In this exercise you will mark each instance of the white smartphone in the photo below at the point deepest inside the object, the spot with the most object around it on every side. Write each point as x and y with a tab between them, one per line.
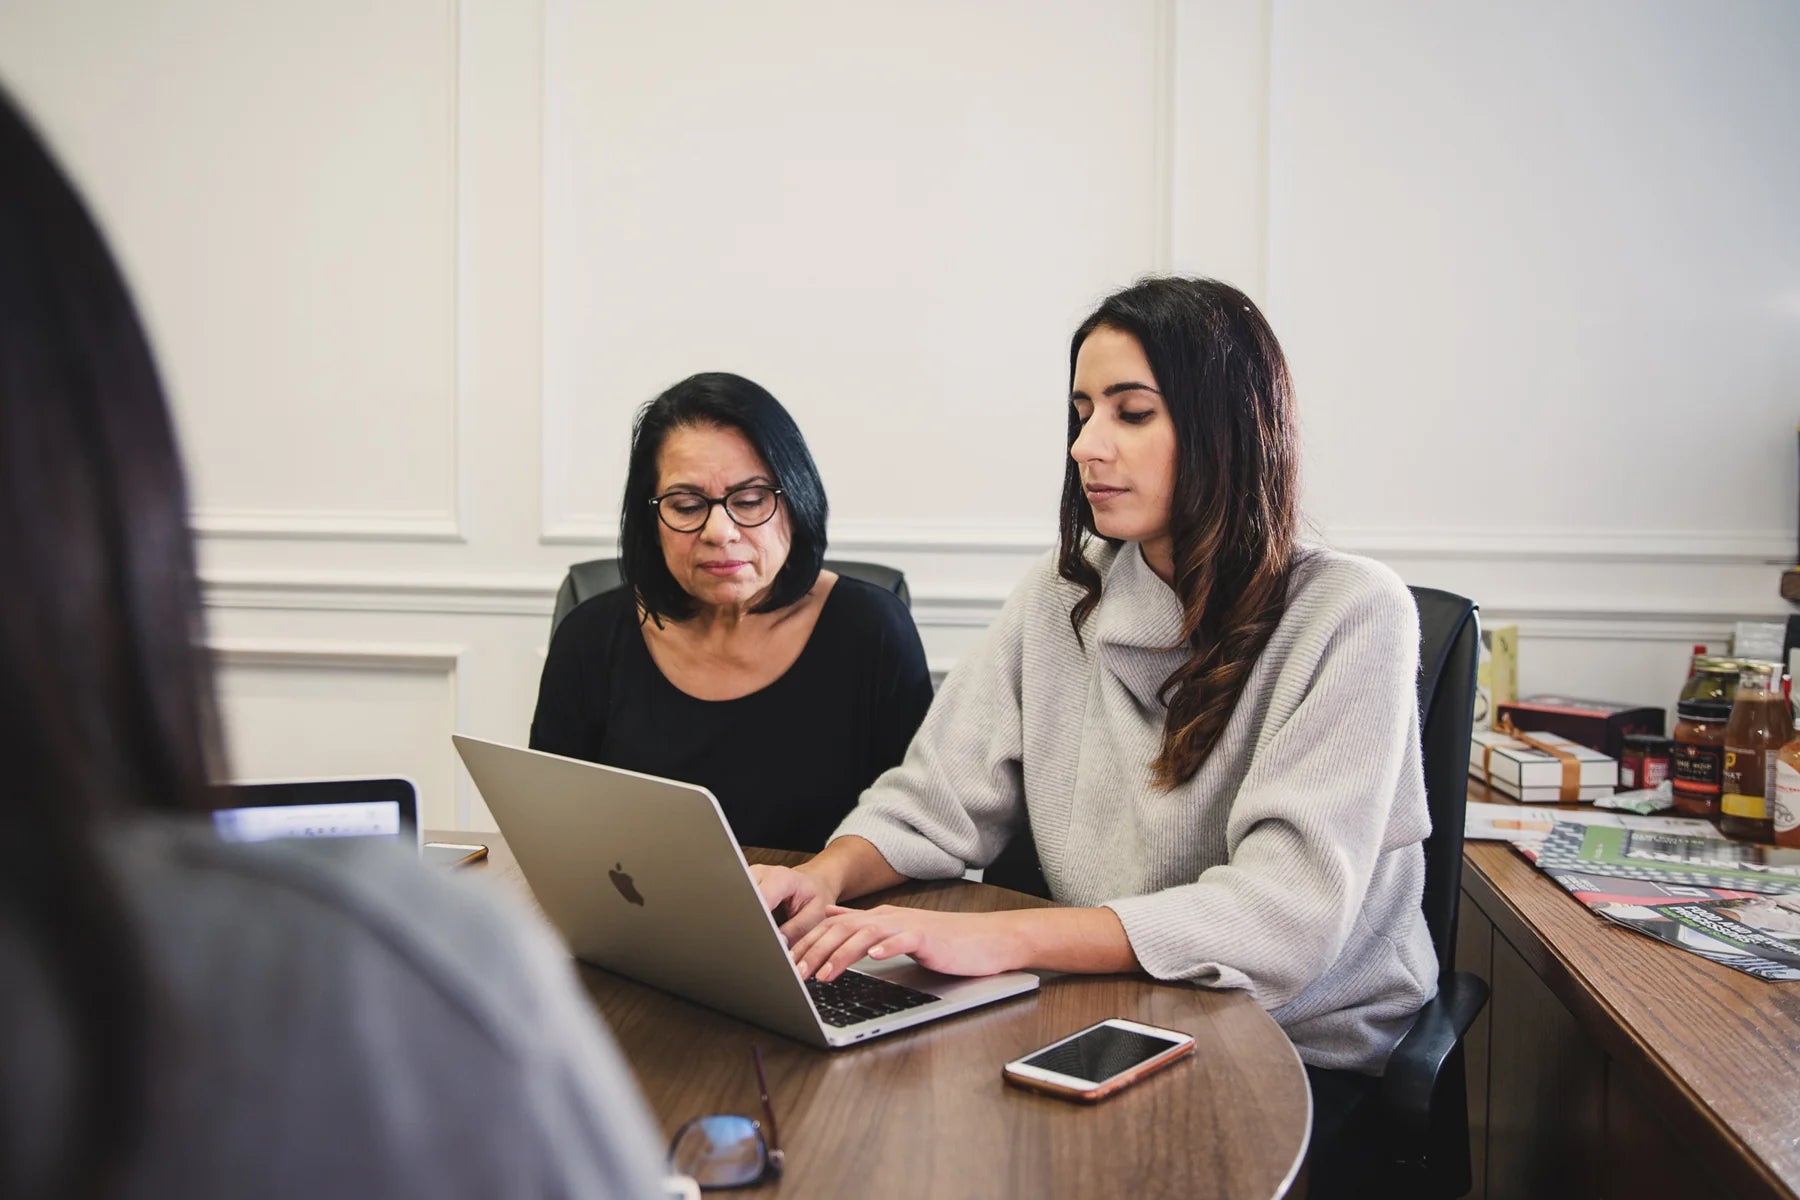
1099	1060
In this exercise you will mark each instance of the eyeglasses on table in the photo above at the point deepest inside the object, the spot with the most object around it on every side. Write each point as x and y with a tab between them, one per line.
725	1150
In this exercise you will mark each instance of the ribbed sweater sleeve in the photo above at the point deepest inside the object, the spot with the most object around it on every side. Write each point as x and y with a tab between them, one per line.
1311	816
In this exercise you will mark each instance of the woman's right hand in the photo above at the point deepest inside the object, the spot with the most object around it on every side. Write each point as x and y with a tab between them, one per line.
799	898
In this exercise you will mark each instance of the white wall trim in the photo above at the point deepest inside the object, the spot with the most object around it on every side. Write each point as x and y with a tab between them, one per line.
1573	626
602	532
1527	545
1165	95
1756	547
516	595
428	657
533	595
459	266
324	526
369	591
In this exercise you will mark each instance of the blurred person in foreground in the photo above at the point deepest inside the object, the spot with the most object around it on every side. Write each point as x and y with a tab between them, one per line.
184	1017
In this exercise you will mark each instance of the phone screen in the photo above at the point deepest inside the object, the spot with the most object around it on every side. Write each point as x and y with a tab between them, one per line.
1100	1053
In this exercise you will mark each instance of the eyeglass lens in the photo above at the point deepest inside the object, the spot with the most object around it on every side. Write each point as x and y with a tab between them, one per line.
720	1151
687	512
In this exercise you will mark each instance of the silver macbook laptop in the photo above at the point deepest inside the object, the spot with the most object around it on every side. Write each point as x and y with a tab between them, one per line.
642	877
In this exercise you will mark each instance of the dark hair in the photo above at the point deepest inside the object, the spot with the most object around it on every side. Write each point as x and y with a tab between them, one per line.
1225	383
106	701
723	401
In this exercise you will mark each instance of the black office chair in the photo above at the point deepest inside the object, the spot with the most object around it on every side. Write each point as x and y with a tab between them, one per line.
587	579
1424	1104
1423	1100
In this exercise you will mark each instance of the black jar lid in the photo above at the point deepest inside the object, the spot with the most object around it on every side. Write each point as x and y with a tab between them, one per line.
1704	710
1649	743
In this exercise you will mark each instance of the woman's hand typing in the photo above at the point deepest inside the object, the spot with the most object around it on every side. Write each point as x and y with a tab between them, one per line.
798	897
954	943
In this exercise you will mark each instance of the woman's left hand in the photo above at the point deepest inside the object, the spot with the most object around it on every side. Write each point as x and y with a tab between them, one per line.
954	943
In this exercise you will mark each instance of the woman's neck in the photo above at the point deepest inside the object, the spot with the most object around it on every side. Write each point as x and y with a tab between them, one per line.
1159	556
726	621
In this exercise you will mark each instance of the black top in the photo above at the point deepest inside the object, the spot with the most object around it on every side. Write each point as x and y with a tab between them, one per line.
786	762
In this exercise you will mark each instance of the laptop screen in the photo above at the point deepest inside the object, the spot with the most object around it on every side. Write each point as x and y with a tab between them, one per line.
318	808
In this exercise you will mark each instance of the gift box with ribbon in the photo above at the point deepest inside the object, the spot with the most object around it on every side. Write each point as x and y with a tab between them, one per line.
1602	724
1540	768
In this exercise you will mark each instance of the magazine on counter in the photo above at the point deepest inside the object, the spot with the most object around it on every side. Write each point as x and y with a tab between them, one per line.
1758	935
1726	921
1519	824
1652	856
1678	913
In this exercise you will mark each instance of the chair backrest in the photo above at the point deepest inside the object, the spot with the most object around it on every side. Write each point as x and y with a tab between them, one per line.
588	579
1449	648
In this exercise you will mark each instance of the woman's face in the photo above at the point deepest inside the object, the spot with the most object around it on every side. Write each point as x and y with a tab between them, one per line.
1126	447
721	564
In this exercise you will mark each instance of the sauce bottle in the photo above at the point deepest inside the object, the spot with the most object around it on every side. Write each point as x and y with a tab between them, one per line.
1759	724
1698	760
1784	814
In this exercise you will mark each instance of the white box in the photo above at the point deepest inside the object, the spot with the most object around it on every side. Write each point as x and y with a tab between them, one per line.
1534	776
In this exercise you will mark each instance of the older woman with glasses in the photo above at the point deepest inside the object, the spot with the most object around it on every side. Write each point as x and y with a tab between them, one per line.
729	657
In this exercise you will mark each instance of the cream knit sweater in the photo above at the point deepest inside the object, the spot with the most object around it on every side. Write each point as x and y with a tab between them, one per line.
1290	865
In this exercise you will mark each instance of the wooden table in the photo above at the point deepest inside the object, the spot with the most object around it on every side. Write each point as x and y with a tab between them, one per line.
924	1112
1609	1064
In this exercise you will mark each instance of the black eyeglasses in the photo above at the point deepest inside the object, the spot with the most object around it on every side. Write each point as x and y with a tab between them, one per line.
688	512
723	1150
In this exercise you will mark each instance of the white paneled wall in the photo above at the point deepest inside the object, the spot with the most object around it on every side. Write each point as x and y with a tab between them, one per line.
411	266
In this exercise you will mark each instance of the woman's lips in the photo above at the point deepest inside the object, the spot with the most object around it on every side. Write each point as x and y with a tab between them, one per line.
723	568
1100	495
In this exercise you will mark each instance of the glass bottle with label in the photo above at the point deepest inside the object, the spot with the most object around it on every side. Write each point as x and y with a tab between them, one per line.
1759	725
1784	814
1698	758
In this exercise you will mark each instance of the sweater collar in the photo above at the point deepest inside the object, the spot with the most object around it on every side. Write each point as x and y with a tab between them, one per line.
1137	609
1138	629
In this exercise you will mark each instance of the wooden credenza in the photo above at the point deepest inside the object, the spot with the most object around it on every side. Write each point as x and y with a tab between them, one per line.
1610	1065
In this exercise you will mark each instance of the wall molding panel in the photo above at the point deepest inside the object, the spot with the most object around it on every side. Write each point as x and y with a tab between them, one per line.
318	707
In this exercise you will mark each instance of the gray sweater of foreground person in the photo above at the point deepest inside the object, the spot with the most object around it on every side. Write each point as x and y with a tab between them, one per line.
330	1018
1290	866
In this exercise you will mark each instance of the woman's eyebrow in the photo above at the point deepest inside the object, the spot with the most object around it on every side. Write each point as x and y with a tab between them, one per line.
1114	390
682	485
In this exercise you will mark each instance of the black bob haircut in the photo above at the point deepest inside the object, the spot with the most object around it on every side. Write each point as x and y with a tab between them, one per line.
720	400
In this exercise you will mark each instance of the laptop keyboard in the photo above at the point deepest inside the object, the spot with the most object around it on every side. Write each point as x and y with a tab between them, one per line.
854	997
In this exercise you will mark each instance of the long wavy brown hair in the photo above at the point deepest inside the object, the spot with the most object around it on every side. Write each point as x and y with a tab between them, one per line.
1226	385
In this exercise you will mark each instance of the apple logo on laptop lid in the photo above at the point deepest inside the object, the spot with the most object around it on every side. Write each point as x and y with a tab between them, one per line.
626	887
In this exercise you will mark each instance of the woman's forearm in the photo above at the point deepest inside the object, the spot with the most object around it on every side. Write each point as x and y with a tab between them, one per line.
1087	941
851	866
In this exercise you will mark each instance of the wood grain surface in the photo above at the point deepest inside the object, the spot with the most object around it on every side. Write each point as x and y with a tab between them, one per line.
1712	1053
925	1112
